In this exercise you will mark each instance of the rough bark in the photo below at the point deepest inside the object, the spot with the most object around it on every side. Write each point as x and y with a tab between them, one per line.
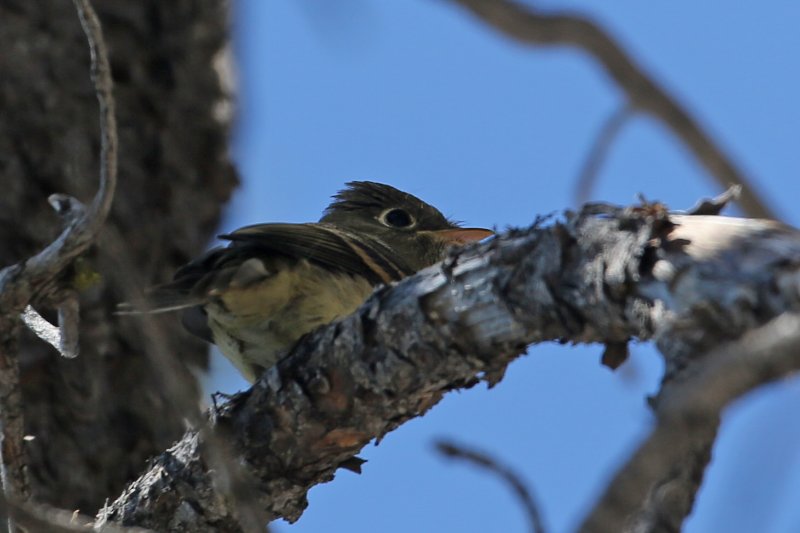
606	275
92	417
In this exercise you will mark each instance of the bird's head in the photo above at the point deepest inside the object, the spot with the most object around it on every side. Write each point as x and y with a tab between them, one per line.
411	228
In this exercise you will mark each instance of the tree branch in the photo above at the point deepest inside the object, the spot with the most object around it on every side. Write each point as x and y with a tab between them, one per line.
688	413
92	418
524	495
37	277
528	25
21	283
603	275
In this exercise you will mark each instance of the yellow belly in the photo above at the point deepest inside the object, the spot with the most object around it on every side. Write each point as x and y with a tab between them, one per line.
257	325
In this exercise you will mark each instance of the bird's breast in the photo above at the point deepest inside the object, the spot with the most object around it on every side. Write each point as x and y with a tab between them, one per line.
258	323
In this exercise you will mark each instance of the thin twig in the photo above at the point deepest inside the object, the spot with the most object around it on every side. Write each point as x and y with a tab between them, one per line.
590	170
687	416
528	25
103	85
449	449
21	283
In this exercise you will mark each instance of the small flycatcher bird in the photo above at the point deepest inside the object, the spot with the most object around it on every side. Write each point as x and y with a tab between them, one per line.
276	282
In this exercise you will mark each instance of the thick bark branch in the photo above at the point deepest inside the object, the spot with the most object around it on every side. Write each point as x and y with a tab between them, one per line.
358	379
605	275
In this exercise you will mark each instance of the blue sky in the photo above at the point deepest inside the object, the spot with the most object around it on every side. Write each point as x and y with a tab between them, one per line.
418	94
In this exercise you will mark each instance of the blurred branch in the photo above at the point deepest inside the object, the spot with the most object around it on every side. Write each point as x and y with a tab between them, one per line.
688	414
670	277
529	25
454	451
590	170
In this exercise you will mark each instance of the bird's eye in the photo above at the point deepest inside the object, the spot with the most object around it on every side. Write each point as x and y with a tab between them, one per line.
397	218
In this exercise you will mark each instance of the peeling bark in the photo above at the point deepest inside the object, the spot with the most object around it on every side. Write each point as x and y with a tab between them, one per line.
588	279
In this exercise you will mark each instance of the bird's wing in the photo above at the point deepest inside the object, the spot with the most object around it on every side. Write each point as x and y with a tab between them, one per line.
254	248
324	245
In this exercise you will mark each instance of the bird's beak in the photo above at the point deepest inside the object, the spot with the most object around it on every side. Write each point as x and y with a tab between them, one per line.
461	236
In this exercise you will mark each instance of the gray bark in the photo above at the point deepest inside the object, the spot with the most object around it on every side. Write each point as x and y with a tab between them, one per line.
606	275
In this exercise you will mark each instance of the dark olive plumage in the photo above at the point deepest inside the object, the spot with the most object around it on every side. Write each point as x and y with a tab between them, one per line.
275	282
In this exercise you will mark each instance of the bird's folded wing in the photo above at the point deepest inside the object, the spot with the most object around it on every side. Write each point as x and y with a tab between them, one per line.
253	247
322	244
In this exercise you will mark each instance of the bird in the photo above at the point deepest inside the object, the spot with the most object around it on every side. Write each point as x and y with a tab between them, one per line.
275	282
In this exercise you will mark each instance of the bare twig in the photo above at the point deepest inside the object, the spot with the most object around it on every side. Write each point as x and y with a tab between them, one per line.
103	84
21	283
528	25
598	152
688	411
449	449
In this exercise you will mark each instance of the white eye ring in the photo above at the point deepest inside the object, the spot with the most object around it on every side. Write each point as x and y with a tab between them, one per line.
397	218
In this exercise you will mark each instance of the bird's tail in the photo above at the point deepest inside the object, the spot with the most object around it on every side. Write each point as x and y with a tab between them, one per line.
189	288
162	299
